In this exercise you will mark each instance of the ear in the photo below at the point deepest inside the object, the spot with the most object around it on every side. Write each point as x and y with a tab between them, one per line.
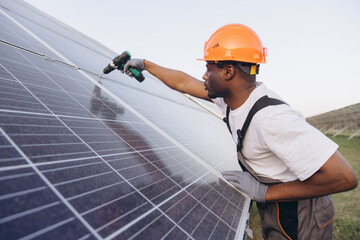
229	71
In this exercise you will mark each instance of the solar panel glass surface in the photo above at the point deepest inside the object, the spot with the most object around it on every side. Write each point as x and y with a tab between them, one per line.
113	159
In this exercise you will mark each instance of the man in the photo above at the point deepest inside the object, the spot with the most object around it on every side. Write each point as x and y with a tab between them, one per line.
290	168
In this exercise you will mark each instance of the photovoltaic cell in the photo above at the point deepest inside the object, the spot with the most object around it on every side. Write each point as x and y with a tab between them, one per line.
89	158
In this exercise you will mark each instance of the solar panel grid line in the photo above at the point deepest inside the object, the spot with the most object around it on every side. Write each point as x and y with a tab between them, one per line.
107	203
75	67
11	32
109	154
41	157
44	230
184	166
48	169
171	159
13	89
70	160
184	216
36	37
223	215
214	229
25	173
158	228
36	97
39	87
82	178
163	133
15	176
68	116
24	213
37	126
12	159
234	219
49	144
39	100
200	221
149	225
177	102
12	195
16	103
168	233
179	202
4	111
55	184
144	119
120	217
66	27
98	188
209	210
141	117
92	191
28	74
153	209
70	130
84	237
47	57
108	79
57	193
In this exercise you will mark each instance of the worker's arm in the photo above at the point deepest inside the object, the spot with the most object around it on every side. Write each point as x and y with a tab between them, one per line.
174	79
336	175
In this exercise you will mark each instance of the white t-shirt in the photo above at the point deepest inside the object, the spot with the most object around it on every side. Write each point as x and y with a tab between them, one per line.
279	143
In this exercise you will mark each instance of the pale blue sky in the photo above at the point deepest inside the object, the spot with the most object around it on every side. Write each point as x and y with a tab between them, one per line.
313	45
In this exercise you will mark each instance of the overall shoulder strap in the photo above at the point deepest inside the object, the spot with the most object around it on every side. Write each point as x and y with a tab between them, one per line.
259	104
226	119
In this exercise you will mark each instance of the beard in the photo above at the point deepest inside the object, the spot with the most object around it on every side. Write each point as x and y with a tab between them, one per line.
212	96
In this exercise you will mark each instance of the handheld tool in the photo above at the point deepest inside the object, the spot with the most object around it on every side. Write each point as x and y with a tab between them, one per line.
119	62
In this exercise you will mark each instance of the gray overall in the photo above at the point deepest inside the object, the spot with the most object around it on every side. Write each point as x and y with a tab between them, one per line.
301	220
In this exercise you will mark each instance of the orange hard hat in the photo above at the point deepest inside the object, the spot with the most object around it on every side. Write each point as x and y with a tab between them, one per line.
235	42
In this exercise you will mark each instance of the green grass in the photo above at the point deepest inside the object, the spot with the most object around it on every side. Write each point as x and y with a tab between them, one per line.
347	206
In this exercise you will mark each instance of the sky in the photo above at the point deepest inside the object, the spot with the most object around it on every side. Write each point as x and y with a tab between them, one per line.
313	45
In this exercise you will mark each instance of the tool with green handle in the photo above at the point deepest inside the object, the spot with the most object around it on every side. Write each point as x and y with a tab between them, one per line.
119	62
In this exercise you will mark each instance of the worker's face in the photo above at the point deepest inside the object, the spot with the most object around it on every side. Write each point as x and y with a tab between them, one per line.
215	82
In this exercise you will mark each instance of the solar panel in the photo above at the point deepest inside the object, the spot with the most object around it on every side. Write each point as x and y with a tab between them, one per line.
83	157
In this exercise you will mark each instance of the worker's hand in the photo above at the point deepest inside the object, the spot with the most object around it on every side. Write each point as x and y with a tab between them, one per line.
246	183
136	63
